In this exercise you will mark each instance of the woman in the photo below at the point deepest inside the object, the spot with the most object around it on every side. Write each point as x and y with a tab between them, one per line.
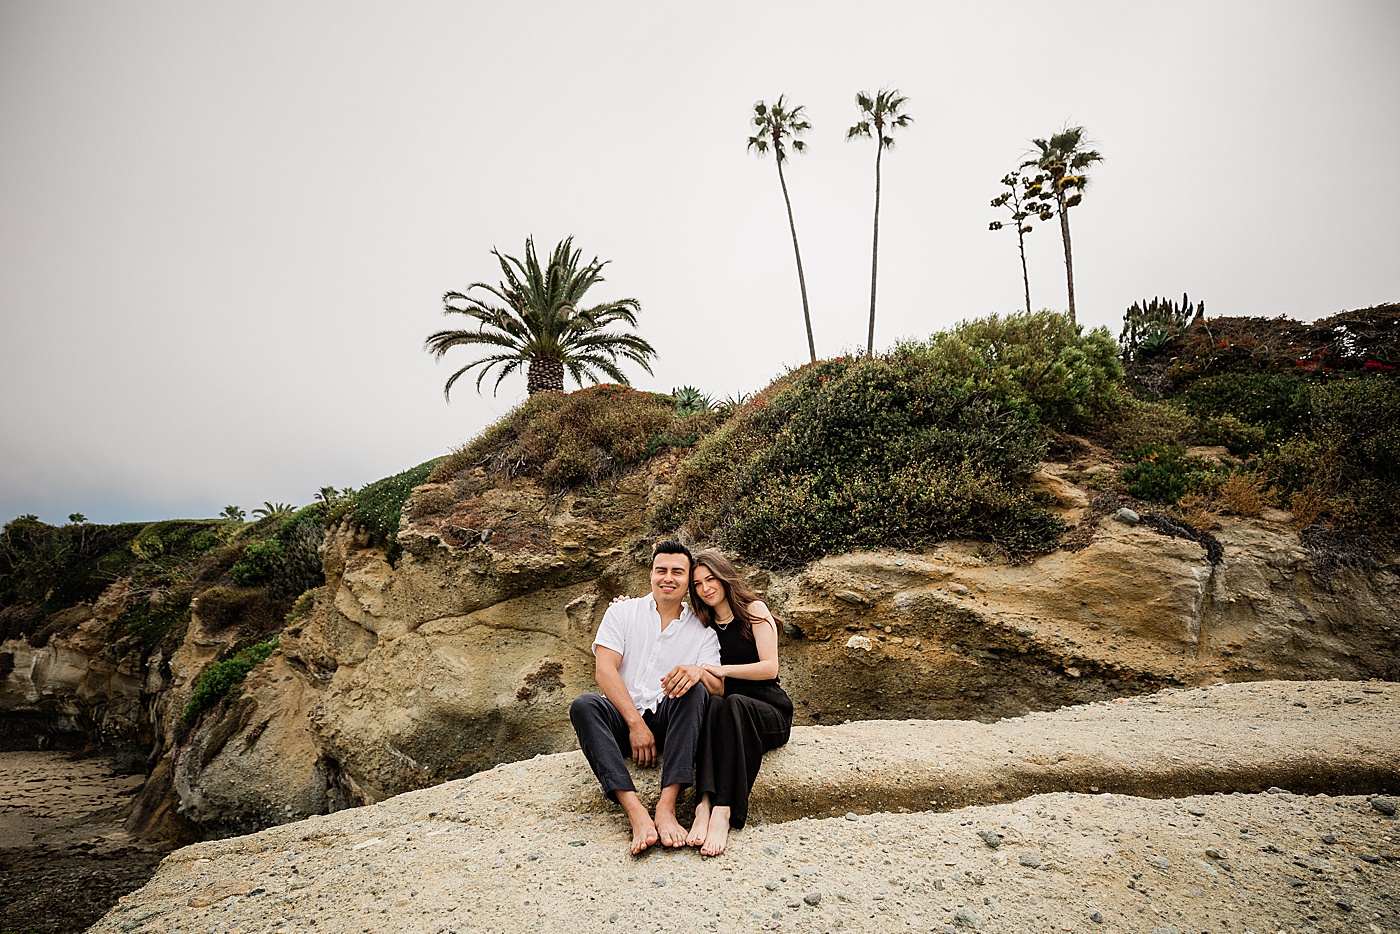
753	715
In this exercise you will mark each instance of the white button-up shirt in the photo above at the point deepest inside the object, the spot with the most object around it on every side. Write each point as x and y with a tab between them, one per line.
633	629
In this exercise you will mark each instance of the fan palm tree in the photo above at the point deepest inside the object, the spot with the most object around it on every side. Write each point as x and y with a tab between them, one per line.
776	124
538	324
1063	158
879	117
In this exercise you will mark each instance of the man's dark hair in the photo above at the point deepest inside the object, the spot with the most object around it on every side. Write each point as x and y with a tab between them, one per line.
672	548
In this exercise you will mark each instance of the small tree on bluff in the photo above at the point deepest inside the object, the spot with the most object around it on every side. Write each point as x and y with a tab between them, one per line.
1018	199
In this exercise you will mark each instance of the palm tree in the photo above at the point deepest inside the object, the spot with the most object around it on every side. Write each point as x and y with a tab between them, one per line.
776	124
1063	158
880	116
539	325
1016	199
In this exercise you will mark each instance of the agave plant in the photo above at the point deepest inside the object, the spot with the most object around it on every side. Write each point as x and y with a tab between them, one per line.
732	403
690	400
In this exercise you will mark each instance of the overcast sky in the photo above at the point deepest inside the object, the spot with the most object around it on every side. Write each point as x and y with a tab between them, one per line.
225	229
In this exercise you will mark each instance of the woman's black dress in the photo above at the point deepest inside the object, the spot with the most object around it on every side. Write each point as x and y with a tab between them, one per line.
751	718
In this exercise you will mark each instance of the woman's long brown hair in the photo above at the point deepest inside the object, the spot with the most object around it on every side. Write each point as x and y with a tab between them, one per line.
736	590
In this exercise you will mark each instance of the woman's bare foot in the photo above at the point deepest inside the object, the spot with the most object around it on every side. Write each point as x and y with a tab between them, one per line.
717	834
701	828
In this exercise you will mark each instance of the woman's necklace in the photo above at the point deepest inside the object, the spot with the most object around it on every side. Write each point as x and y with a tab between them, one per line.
724	623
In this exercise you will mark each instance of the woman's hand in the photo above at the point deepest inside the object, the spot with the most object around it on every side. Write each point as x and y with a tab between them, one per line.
620	598
719	671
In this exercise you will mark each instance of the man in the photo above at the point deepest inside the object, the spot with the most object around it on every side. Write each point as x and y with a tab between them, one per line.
648	654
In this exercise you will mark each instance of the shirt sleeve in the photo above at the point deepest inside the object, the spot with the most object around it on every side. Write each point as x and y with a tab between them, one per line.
612	633
709	648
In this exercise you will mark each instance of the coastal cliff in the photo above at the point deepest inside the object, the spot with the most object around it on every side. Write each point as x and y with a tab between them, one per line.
454	658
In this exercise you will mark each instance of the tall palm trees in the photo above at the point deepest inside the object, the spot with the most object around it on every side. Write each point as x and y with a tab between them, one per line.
777	124
1063	158
880	116
538	324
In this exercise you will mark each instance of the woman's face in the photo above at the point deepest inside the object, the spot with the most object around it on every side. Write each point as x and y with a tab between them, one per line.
708	587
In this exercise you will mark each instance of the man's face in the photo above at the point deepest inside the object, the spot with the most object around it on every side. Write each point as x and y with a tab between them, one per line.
670	576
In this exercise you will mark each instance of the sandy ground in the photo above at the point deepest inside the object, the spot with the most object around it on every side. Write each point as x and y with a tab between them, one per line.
531	846
58	795
64	857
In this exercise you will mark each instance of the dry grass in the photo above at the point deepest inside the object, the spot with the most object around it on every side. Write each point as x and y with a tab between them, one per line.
1199	512
431	501
582	438
1308	505
1244	494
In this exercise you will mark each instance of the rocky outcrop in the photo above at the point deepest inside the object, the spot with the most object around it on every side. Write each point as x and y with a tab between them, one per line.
466	651
85	686
865	826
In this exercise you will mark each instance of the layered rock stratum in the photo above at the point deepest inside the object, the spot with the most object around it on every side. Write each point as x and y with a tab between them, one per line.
1245	807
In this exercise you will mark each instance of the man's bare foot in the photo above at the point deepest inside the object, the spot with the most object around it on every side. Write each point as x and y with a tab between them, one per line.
643	834
670	829
718	832
701	827
643	829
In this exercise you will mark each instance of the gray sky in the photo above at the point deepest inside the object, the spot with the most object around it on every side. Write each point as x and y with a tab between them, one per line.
225	229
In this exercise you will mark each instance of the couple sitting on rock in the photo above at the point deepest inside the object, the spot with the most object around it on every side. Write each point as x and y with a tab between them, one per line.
696	685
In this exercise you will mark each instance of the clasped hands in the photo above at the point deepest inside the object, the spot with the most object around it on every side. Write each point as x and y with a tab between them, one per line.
680	679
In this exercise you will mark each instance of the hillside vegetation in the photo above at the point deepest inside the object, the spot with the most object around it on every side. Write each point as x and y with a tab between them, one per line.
930	441
935	439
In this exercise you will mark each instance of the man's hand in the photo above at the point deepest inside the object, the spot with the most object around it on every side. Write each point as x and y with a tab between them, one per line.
643	743
680	679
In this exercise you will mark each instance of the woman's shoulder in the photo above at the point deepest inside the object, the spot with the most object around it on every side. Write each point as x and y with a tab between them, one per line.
760	612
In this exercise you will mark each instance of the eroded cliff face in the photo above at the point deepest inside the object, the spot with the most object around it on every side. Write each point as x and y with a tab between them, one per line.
87	686
468	649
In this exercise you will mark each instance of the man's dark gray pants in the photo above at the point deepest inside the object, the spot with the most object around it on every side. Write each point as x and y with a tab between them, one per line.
603	737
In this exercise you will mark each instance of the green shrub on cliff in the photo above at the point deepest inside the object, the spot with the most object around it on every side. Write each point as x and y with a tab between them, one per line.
845	454
376	509
56	566
1346	468
1067	377
45	568
1165	473
222	679
287	562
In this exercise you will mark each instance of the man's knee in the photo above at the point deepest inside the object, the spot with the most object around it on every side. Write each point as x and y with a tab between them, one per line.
587	708
693	701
